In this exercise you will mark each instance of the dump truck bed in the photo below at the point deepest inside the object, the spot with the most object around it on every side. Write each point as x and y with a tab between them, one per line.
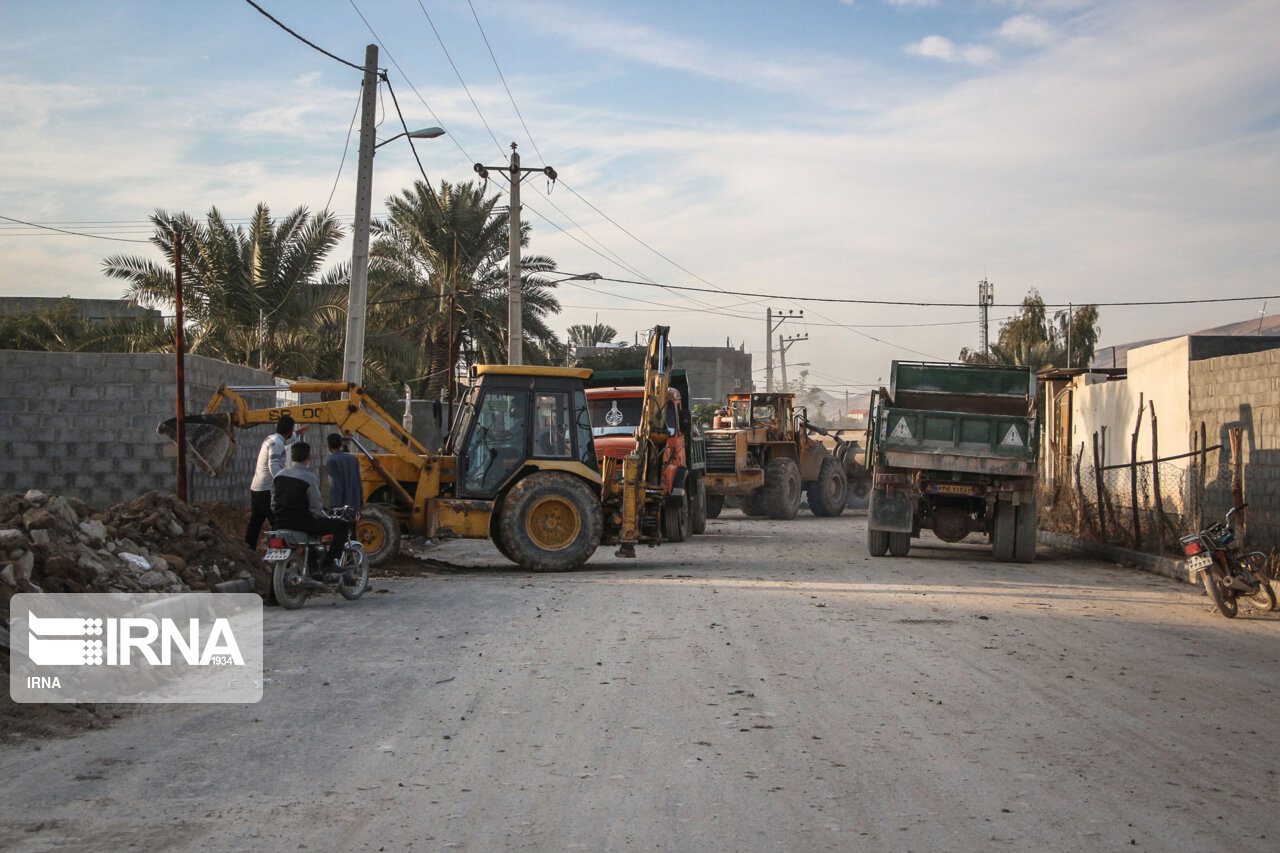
959	417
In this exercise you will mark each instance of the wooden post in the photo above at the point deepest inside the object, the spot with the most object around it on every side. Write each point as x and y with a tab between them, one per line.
1204	473
1133	477
1155	480
1082	512
1102	499
1237	483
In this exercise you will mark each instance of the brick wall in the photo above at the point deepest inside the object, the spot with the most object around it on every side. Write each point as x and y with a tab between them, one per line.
1242	391
84	424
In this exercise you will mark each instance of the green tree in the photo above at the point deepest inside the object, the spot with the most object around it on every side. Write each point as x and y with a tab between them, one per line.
253	296
438	251
590	334
1031	338
63	327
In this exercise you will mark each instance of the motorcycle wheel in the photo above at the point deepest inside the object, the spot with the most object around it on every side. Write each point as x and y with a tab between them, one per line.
1265	598
1223	598
286	581
355	574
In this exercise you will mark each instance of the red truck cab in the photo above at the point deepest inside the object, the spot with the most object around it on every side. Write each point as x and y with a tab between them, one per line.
615	413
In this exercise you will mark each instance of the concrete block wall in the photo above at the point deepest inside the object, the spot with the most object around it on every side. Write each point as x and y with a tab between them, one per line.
1242	391
84	424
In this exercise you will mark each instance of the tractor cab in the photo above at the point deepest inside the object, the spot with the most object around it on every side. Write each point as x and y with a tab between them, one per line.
520	417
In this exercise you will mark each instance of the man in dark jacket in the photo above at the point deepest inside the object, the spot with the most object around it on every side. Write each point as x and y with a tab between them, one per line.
295	503
344	476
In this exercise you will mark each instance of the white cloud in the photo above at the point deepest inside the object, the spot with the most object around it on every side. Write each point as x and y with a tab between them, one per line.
1028	30
941	47
917	3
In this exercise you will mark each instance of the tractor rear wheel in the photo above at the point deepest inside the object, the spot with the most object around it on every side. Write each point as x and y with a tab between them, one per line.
379	532
828	493
551	522
781	492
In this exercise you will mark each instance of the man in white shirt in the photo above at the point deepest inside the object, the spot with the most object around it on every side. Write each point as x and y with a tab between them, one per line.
272	458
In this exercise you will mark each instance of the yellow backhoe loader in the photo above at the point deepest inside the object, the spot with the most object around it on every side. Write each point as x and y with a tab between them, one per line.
519	466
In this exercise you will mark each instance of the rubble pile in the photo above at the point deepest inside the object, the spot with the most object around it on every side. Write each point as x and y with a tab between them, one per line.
157	543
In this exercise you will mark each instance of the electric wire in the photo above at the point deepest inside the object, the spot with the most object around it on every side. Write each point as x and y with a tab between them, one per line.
305	41
503	78
72	233
346	146
456	73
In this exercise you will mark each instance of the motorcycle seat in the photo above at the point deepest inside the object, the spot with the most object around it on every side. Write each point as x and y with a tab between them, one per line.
292	537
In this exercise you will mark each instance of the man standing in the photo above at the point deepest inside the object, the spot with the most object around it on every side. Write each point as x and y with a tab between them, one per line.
295	502
272	458
344	476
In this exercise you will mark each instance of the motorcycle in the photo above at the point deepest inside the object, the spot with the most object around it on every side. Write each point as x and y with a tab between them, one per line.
297	561
1227	575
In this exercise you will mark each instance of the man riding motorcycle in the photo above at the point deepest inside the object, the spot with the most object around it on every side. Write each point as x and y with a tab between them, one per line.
296	505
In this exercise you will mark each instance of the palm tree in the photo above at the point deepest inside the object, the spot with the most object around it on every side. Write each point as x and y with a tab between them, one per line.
247	291
442	256
590	334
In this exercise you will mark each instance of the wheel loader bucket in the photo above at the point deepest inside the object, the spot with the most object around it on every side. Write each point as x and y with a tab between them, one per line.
211	441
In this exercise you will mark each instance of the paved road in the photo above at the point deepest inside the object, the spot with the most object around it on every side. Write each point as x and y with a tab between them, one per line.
766	687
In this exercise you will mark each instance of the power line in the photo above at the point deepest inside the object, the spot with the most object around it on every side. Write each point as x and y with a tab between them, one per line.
310	44
503	78
72	233
843	301
456	73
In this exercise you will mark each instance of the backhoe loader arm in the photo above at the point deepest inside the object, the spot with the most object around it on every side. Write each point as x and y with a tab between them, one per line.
651	434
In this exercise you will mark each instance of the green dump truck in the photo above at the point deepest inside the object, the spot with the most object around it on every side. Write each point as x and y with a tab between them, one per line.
953	449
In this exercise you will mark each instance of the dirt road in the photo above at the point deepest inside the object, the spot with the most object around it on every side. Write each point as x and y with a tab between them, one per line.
766	687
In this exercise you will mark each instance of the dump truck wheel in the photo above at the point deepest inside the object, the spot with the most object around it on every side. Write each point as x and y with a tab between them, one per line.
877	542
1024	540
676	521
551	522
697	505
715	503
781	490
1004	532
828	493
899	544
379	532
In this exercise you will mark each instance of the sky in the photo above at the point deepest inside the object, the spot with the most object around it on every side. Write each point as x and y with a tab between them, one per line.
896	150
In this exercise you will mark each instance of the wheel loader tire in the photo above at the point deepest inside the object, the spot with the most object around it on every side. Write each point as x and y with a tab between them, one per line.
1004	532
753	504
551	522
828	493
697	505
379	532
1024	539
781	492
899	544
676	521
877	542
715	503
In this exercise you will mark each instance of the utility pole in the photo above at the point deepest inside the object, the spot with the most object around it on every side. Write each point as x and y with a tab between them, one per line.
353	357
986	295
515	317
784	344
770	328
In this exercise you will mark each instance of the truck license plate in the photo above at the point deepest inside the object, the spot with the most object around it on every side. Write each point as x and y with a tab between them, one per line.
1199	562
951	489
274	554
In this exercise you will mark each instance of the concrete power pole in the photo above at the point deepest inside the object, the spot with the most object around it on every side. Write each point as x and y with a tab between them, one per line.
770	328
353	356
784	344
515	316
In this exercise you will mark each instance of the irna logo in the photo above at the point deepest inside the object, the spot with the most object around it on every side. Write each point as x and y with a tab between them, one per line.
94	641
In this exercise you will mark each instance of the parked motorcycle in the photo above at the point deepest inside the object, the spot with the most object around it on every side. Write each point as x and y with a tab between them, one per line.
1226	574
297	562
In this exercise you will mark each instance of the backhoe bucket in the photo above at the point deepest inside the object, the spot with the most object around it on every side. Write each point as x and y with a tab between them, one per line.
211	441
